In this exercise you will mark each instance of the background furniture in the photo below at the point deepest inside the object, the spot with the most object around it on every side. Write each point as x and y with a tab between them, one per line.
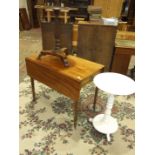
96	43
41	13
33	13
113	84
128	14
81	11
110	8
124	50
48	36
62	39
64	11
68	81
122	59
23	20
128	11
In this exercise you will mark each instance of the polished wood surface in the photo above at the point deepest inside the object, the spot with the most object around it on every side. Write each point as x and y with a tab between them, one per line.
50	71
66	80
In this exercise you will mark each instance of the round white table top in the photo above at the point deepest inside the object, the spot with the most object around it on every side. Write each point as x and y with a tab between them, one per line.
115	83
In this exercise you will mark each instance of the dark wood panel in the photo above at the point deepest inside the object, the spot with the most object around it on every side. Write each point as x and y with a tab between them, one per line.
20	25
48	35
122	59
34	20
96	43
24	19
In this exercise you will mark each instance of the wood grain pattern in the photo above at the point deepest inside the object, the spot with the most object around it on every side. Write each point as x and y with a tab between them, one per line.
96	43
110	8
24	19
33	13
48	36
68	81
122	59
124	49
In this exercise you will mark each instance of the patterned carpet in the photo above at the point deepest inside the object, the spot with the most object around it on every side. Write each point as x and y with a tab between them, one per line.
46	126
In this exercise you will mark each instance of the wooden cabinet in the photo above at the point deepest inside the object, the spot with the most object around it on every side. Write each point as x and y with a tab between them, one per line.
33	14
124	49
110	8
23	20
121	59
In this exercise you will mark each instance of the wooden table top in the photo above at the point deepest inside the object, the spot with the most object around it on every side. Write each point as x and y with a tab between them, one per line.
79	69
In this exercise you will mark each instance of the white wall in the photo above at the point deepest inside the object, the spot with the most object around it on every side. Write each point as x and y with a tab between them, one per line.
23	4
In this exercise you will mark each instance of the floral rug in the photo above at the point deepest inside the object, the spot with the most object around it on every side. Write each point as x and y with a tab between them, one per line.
46	126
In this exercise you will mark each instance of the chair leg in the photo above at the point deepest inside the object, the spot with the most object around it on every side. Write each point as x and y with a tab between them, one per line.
95	98
33	89
75	113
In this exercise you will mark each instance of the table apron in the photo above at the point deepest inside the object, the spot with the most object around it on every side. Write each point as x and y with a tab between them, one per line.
60	83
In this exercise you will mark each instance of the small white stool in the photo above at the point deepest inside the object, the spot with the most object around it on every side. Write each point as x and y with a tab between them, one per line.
114	84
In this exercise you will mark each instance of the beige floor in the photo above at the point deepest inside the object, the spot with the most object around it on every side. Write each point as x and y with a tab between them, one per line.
29	42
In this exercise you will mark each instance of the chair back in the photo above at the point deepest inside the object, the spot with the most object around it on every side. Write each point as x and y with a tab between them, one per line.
96	43
54	35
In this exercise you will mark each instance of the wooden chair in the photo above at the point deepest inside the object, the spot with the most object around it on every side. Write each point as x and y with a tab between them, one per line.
56	40
96	43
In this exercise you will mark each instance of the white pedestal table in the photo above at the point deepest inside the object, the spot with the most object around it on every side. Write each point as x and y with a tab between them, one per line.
113	84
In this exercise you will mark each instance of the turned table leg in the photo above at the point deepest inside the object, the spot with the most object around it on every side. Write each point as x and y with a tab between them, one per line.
75	113
95	97
33	89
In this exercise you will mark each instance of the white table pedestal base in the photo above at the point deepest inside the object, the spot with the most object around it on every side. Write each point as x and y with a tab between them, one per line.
106	126
113	84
